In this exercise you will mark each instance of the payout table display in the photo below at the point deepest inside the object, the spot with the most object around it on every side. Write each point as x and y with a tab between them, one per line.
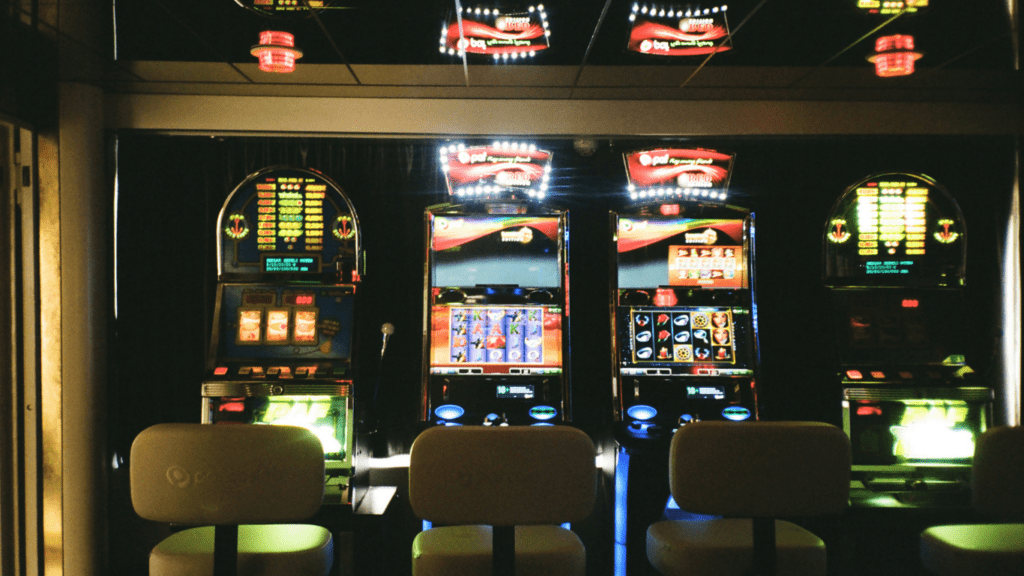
282	343
496	317
898	229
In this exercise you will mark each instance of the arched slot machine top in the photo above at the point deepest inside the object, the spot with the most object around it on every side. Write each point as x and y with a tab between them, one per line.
289	224
895	230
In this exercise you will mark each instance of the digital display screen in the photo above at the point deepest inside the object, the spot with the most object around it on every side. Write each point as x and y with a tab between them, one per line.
469	251
688	340
496	340
515	391
702	253
895	229
705	392
295	299
281	264
682	336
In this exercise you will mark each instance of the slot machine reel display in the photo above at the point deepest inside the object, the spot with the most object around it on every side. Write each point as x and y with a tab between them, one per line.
282	342
496	292
895	255
683	298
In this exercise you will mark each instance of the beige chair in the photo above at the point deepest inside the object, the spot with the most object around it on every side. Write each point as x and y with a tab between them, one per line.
239	483
522	481
750	474
997	491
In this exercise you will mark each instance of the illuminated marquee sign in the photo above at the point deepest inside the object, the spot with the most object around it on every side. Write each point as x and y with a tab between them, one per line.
891	7
660	30
501	169
674	173
504	36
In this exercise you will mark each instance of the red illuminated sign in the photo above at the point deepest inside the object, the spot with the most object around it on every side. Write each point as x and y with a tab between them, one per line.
660	30
484	171
276	51
491	32
670	173
910	303
894	56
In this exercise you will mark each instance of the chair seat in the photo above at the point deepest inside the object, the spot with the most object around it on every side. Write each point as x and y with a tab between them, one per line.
725	548
466	551
967	550
263	550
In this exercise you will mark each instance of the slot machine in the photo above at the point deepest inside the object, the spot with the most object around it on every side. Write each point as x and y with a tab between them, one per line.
496	292
895	262
281	348
683	313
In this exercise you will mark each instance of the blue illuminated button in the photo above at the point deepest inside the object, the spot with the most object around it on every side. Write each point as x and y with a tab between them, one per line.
449	411
642	412
735	413
543	412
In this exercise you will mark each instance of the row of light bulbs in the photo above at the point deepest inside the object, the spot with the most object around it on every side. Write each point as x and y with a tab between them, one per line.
678	192
487	190
672	12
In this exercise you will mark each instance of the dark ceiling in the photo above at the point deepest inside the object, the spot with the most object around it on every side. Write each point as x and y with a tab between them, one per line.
953	34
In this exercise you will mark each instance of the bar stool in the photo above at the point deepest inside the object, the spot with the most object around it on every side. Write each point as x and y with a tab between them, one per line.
501	492
238	483
750	473
997	491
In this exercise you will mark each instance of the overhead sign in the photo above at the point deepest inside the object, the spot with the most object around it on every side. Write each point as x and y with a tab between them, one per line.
696	173
500	35
495	170
660	30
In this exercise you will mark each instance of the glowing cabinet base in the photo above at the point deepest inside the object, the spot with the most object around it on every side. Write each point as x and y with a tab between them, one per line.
914	446
327	413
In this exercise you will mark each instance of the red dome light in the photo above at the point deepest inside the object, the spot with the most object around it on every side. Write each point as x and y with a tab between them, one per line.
894	56
276	51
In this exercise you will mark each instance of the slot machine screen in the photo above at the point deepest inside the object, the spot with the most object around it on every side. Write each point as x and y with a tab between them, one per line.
481	339
683	252
685	340
484	250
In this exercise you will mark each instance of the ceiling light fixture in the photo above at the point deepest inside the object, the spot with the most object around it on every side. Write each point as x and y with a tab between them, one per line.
276	51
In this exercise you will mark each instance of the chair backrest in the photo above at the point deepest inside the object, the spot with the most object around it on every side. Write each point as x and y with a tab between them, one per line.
998	474
503	476
226	474
760	469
